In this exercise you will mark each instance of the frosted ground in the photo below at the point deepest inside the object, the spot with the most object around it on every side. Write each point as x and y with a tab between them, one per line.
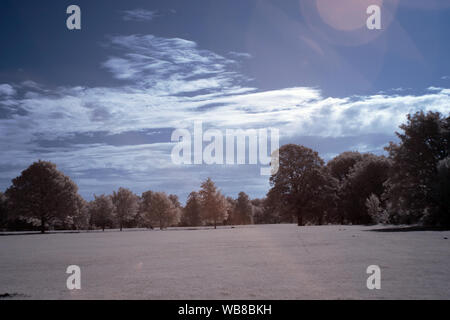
246	262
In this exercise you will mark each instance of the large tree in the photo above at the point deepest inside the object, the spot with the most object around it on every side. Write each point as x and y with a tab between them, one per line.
299	183
366	178
213	203
126	206
424	142
44	193
101	211
192	210
157	209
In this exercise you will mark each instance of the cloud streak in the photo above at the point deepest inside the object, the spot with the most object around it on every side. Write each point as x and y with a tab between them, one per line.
140	15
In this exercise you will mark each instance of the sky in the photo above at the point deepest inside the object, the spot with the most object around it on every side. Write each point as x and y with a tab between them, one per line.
103	101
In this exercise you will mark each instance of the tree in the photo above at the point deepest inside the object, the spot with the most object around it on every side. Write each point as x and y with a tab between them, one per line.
423	143
213	203
297	185
80	219
441	195
230	205
3	211
264	212
192	210
157	208
44	193
242	210
126	206
367	177
340	166
101	210
177	207
375	210
144	208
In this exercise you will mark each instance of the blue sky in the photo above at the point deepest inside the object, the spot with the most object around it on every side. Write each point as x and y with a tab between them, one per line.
102	102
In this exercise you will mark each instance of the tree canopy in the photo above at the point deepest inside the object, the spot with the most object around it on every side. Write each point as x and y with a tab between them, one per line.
44	193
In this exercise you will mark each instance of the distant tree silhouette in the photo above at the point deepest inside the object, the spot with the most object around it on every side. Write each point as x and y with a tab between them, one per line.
126	206
101	211
424	142
213	203
192	210
42	192
242	213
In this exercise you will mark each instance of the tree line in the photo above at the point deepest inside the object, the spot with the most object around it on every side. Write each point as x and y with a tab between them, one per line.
43	198
409	185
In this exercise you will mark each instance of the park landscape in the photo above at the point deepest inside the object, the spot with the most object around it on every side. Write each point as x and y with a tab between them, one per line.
224	150
313	237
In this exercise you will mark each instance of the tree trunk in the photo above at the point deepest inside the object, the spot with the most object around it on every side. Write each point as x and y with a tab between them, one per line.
121	226
299	219
42	225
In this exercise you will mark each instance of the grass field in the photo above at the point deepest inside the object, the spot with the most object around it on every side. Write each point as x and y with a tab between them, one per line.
246	262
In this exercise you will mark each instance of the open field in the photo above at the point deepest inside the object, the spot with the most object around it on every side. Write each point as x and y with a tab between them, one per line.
246	262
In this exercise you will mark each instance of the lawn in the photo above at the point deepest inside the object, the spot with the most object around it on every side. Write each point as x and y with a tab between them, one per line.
245	262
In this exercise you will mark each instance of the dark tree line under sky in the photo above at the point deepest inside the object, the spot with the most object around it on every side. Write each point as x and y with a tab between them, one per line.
410	185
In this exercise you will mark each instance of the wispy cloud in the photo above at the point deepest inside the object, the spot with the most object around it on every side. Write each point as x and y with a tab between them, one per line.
240	54
171	66
139	15
7	90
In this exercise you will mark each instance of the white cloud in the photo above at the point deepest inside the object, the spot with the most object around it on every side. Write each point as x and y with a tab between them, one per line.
139	15
7	90
171	66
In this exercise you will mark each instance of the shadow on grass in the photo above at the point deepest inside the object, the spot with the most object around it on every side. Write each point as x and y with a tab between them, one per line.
27	233
12	295
411	228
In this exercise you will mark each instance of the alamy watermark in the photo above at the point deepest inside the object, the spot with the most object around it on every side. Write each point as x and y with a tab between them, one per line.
73	281
374	20
227	147
374	280
73	22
